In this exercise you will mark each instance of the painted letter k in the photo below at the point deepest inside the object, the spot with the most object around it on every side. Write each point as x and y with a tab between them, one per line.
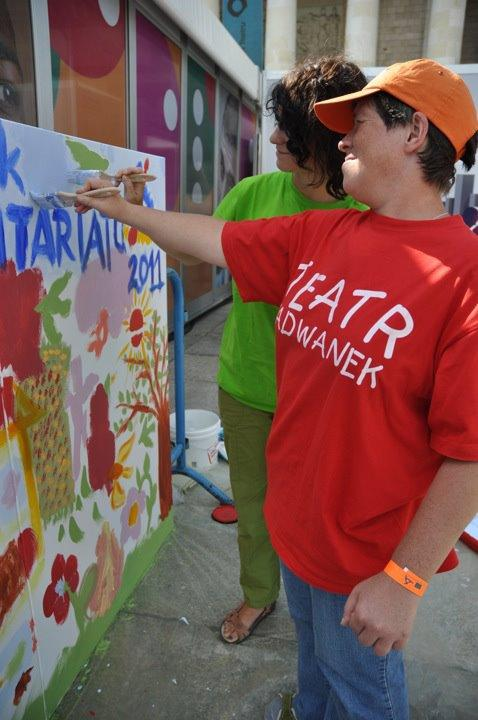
8	162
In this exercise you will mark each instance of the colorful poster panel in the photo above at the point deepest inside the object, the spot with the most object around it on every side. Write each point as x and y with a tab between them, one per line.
197	279
88	41
247	142
200	140
17	76
159	101
85	471
226	160
228	135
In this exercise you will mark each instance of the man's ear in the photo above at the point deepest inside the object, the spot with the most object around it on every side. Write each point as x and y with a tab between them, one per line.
418	131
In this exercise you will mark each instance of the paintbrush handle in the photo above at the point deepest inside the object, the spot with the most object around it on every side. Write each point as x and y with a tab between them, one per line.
144	177
99	193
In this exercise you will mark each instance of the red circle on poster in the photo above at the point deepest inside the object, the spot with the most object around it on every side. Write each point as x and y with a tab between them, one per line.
83	39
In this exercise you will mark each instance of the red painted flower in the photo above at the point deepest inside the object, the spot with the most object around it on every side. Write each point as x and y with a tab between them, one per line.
22	685
136	324
64	579
132	236
100	446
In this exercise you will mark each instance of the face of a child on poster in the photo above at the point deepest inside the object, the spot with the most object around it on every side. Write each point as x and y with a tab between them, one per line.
11	106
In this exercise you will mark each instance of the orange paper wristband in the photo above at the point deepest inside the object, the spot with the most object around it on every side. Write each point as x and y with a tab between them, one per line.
406	578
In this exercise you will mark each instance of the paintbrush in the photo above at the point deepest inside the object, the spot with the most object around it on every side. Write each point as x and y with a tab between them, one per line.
78	177
63	199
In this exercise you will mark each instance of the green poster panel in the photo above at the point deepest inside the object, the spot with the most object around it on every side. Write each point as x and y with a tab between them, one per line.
199	139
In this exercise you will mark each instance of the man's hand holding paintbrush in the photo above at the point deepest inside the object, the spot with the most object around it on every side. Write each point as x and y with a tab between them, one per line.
133	183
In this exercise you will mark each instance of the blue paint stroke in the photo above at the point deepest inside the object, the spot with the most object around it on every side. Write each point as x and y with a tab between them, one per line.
8	162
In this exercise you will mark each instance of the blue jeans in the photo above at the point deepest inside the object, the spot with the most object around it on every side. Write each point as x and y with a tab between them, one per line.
339	679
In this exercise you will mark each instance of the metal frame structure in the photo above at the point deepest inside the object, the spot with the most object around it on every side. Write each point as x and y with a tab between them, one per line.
178	452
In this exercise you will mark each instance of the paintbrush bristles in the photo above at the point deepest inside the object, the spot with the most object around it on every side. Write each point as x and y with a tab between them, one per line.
62	199
79	177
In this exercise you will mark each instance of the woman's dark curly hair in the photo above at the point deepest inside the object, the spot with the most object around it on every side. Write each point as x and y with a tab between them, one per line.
292	102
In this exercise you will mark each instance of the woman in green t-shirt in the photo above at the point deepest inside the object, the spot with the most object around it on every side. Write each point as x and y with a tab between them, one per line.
309	177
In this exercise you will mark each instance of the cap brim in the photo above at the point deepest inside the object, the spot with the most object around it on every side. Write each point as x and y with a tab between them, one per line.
337	113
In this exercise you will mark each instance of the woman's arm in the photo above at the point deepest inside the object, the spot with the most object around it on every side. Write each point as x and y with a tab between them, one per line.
182	235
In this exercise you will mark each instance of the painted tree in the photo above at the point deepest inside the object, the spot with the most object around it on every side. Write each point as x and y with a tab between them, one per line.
146	354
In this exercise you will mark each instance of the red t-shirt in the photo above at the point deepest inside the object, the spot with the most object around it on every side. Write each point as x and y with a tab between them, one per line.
377	376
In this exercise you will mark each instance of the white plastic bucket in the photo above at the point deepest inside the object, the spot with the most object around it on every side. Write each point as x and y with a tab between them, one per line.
202	431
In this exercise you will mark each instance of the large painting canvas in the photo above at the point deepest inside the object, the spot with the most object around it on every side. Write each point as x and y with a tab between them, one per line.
85	475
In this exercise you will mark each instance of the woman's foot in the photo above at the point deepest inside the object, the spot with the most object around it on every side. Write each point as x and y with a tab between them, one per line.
242	621
280	708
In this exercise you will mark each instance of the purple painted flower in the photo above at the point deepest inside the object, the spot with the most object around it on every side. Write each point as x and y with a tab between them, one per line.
131	515
11	483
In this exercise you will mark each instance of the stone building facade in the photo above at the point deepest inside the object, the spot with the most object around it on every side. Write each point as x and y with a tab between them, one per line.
404	29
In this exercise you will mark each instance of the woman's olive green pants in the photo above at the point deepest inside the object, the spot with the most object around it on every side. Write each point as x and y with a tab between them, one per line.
245	435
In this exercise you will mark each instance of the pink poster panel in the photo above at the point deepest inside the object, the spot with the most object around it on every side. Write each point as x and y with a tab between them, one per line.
158	73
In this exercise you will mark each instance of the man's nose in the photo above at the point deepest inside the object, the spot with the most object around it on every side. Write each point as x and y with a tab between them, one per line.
344	144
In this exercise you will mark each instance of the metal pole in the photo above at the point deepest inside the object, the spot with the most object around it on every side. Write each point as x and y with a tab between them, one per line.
178	452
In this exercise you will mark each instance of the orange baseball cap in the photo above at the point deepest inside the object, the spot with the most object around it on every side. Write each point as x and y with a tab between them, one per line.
424	85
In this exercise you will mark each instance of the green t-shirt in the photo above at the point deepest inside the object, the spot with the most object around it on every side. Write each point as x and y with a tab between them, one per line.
247	355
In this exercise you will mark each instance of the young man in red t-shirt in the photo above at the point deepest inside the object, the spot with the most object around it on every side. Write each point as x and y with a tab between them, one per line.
372	458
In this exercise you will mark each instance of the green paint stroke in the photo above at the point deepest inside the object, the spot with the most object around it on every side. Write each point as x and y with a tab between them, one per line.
80	599
52	305
87	587
16	662
72	659
55	74
76	533
102	647
86	158
97	516
85	488
61	532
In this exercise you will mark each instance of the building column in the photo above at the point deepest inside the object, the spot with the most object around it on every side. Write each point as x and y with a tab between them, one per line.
280	35
445	31
213	5
361	31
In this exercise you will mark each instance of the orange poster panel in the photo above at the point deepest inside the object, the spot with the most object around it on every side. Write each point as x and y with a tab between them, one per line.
89	68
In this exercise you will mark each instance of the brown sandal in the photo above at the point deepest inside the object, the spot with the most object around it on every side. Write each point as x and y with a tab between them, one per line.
243	631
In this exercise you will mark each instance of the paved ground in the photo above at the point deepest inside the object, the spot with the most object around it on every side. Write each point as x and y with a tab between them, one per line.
162	658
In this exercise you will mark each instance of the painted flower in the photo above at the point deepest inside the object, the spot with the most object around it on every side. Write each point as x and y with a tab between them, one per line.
100	445
20	323
64	579
10	483
100	333
119	470
22	685
110	559
131	234
16	564
31	625
131	515
135	325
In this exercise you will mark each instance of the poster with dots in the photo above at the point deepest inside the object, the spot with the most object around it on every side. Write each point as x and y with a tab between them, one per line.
228	131
247	142
89	87
159	101
199	139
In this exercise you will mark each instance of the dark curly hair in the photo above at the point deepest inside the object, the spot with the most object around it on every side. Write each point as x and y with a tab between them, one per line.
437	159
292	103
